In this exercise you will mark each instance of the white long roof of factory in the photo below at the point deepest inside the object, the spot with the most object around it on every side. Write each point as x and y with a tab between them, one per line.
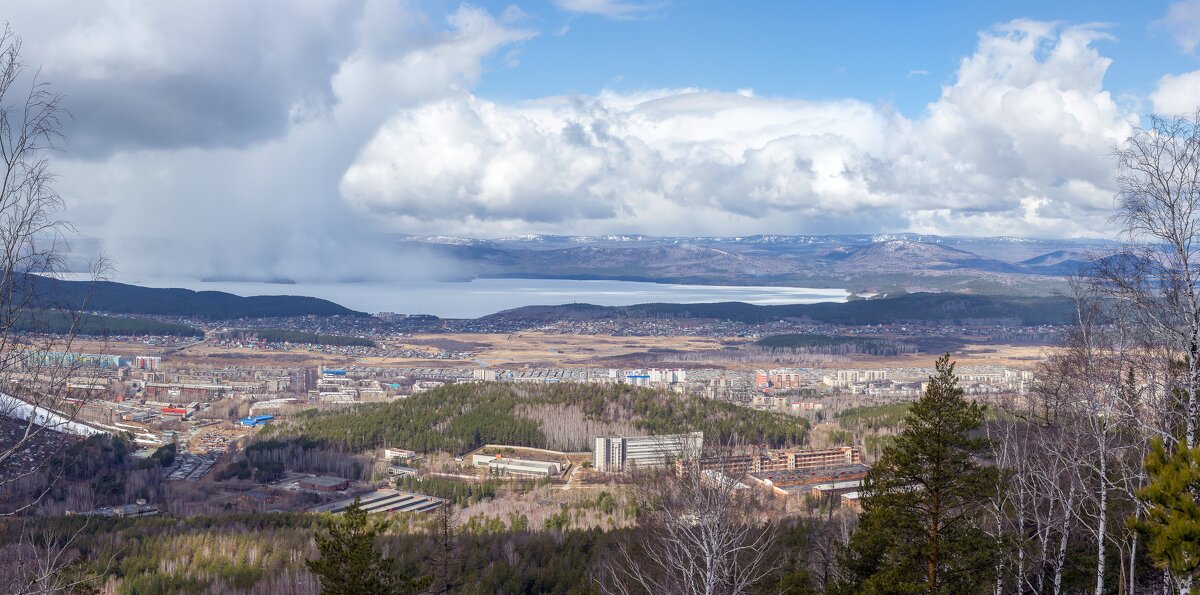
385	501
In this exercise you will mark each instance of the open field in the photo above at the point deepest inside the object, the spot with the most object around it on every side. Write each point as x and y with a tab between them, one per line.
577	350
209	355
562	350
125	348
490	349
1011	356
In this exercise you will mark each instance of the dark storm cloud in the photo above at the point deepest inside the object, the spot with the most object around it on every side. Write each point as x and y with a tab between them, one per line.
169	75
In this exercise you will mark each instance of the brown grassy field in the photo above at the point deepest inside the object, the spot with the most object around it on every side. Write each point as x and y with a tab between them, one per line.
554	350
536	349
577	350
1012	356
125	348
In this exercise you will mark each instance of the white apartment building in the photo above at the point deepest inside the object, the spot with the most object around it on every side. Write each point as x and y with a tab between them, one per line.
618	453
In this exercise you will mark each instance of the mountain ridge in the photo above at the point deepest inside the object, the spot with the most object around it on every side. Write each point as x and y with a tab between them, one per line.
122	298
856	262
916	308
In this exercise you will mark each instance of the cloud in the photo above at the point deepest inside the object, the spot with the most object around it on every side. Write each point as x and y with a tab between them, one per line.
913	73
140	74
613	9
1015	145
293	142
166	75
262	200
1183	23
1177	94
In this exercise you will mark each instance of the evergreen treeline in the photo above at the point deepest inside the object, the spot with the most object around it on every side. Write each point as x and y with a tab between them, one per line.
873	417
457	418
460	493
120	298
826	345
278	335
936	308
267	460
94	325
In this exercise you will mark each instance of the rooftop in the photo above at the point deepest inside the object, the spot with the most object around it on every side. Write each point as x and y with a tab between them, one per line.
325	481
385	501
804	477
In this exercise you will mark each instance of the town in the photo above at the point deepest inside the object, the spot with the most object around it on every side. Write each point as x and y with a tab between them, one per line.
179	394
599	297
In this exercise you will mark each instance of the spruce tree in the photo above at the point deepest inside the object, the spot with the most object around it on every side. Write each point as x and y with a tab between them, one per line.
1172	522
349	563
919	531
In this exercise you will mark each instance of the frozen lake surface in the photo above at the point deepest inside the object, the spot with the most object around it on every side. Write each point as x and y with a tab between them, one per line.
479	297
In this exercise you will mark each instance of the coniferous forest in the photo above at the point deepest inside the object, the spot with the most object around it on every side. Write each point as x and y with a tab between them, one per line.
458	418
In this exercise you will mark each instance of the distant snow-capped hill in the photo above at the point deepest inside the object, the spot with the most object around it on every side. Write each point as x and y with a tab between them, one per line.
858	261
444	240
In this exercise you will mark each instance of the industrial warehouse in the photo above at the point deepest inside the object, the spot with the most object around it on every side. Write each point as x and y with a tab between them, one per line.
385	500
518	462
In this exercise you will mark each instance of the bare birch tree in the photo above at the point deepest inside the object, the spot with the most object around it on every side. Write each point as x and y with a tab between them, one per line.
698	532
37	376
1154	280
1156	271
1053	451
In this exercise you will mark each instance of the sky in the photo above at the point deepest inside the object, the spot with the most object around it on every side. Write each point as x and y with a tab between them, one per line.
296	138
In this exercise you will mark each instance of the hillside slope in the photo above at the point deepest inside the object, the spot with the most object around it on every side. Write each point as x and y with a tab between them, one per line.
936	308
120	298
460	417
859	263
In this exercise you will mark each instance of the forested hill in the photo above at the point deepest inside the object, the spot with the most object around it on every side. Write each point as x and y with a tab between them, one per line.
933	308
460	417
120	298
93	325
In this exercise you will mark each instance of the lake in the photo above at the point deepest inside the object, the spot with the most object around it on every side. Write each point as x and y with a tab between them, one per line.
476	298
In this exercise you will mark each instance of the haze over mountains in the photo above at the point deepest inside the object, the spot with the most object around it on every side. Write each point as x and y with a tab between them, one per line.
141	309
867	265
859	263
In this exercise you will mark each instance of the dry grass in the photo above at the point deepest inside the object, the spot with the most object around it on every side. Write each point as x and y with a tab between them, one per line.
538	349
126	348
575	350
1012	356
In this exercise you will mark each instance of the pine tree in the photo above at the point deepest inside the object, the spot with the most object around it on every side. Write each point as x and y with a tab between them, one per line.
350	564
919	531
1172	521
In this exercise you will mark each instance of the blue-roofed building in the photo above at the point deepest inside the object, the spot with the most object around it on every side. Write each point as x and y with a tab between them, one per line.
257	420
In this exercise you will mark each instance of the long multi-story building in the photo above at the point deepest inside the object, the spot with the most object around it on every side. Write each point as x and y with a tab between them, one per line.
816	459
780	378
617	453
834	480
845	378
785	460
38	358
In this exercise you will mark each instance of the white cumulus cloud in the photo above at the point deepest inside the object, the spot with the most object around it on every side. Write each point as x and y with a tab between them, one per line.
1016	144
279	139
1177	94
